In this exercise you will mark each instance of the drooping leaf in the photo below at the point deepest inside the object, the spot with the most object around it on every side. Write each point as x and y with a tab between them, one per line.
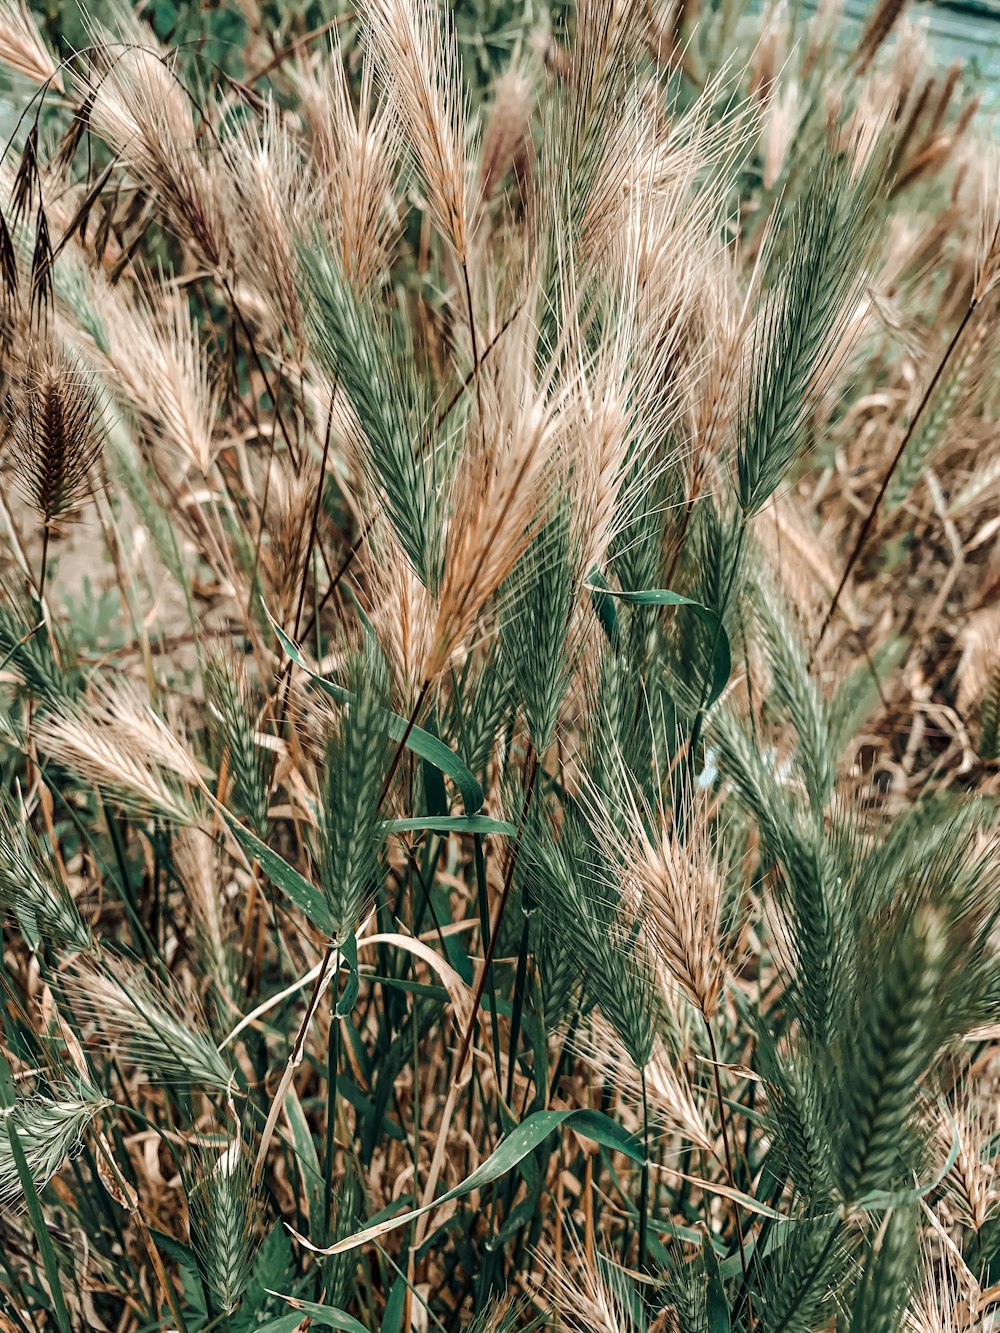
323	1316
602	594
521	1142
295	886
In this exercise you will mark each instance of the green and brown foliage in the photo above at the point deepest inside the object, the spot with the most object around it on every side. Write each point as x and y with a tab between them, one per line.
499	673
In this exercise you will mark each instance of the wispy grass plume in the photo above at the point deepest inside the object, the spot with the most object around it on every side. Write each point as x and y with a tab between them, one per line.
49	1128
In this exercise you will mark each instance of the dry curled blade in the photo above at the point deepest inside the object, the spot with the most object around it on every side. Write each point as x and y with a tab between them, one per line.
41	269
22	195
8	264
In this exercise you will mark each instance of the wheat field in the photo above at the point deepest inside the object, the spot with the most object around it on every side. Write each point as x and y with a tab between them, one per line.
499	671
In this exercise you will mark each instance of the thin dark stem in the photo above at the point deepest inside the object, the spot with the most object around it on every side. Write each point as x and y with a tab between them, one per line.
706	685
42	569
520	982
505	894
448	408
314	518
294	1060
306	39
273	394
313	523
730	1172
279	424
331	589
426	903
644	1181
411	723
472	327
806	1286
475	347
867	527
151	1249
483	902
332	1069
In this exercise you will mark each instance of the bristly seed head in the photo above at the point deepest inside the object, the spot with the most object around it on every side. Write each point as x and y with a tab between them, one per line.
58	432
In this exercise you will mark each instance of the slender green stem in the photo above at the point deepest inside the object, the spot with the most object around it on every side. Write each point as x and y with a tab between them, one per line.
332	1072
644	1180
39	1227
44	565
